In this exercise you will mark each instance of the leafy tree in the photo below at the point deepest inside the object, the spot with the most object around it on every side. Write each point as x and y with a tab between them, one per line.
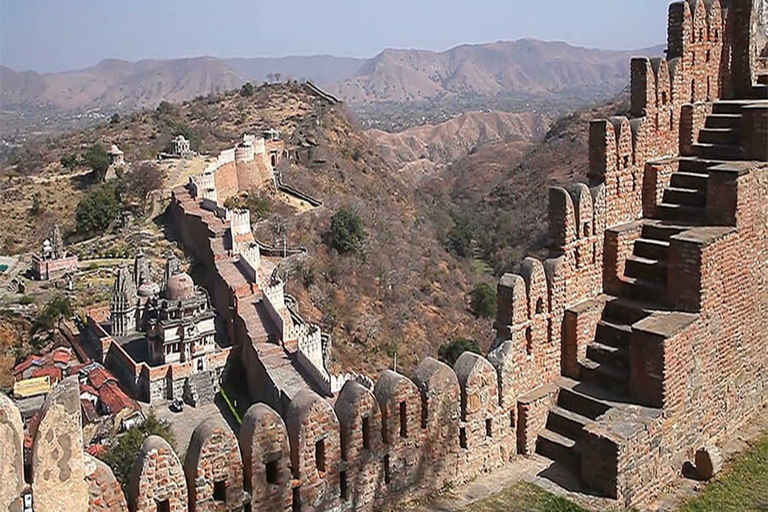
96	210
122	449
69	161
35	210
97	158
449	353
347	233
165	108
114	119
459	239
247	90
57	308
143	181
483	300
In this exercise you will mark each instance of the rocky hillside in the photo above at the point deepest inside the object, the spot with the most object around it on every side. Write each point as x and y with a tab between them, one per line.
527	67
420	150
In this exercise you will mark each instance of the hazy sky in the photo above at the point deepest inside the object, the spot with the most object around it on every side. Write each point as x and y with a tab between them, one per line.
56	35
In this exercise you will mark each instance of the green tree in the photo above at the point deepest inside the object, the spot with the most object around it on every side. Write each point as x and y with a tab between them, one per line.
449	353
97	210
165	108
122	449
459	239
483	300
347	233
247	90
69	161
97	158
114	119
56	309
141	182
35	210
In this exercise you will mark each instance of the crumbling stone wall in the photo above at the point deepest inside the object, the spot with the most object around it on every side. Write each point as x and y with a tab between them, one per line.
157	480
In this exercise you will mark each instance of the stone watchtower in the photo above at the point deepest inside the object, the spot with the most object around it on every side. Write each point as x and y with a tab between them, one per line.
123	307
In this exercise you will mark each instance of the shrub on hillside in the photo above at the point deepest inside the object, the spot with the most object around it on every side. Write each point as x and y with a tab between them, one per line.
449	353
144	180
97	210
483	300
347	233
97	158
459	239
69	161
247	90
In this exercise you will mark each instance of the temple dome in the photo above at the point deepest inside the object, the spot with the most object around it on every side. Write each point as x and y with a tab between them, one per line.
180	287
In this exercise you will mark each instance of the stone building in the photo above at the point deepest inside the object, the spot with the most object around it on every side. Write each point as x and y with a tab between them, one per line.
180	146
53	261
116	156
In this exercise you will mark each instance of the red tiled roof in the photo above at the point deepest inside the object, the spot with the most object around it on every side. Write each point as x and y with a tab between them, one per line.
99	376
96	449
89	411
61	356
87	388
26	364
51	371
114	398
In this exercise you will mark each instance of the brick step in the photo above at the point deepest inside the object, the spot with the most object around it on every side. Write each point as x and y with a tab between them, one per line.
723	121
681	213
606	354
717	151
558	447
621	313
760	91
695	164
651	292
604	375
661	232
613	334
685	196
688	179
719	135
645	268
581	403
651	249
566	423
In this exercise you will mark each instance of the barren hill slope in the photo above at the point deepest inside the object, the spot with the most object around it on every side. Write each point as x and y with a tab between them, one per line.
429	146
527	66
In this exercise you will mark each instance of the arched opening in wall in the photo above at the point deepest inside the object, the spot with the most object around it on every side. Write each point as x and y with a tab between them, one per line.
272	472
489	427
539	306
343	488
296	501
366	433
656	121
463	438
577	257
594	252
387	472
320	456
663	98
424	411
163	506
529	341
403	420
693	58
625	161
586	229
715	35
220	491
274	159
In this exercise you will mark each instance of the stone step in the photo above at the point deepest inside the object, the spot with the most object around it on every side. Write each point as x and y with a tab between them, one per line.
695	164
559	448
685	196
681	213
723	121
566	423
606	354
717	151
719	136
581	403
728	107
760	91
645	268
688	179
613	334
661	232
651	249
620	313
604	375
651	292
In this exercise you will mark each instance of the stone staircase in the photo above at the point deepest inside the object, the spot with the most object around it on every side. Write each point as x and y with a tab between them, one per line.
604	373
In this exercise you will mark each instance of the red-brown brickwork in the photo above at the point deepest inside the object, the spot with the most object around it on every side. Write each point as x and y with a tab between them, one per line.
157	480
214	469
104	492
266	459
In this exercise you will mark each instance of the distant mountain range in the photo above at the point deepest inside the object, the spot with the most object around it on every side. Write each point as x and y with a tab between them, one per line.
529	66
